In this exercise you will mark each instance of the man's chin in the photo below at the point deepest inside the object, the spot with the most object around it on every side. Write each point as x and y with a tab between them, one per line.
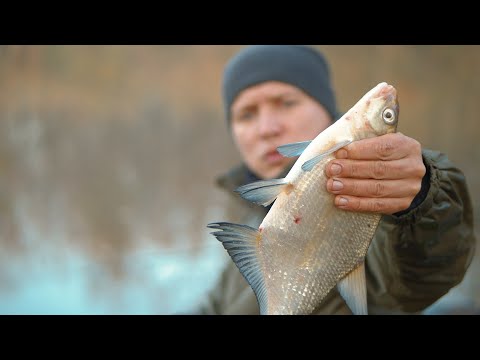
277	171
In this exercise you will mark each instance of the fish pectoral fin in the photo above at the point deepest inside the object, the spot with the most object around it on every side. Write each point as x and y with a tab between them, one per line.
262	192
241	243
309	164
353	289
293	149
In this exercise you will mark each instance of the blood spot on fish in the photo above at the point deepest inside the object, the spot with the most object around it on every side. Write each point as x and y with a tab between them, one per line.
289	188
260	229
297	219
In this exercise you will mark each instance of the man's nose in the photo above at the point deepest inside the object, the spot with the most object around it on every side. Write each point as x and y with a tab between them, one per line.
269	123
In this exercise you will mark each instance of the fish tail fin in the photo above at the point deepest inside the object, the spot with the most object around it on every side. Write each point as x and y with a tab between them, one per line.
353	290
262	192
241	243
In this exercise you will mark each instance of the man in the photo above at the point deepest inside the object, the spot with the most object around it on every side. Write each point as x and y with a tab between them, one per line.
275	95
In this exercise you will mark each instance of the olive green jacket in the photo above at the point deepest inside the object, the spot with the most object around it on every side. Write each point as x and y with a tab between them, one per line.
413	260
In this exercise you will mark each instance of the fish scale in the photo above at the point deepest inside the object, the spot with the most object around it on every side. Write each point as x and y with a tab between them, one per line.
305	245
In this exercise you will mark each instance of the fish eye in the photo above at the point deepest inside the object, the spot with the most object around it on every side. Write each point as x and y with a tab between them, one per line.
389	116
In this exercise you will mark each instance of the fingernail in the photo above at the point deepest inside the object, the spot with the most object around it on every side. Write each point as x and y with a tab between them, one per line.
342	201
335	169
337	185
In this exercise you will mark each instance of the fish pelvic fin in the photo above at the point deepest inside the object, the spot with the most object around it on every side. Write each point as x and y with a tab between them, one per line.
293	149
353	290
262	192
309	164
241	243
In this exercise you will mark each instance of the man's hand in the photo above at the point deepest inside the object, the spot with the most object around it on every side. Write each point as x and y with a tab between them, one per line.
381	174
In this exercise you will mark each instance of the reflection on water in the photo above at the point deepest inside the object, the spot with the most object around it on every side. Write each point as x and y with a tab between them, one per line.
158	282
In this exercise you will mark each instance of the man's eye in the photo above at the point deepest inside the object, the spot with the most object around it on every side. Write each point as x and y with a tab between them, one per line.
246	115
289	102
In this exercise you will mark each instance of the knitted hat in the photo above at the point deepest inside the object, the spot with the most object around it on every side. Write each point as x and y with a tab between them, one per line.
297	65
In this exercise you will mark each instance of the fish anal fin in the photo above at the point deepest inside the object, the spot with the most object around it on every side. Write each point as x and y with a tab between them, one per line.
293	149
263	192
241	243
353	290
309	164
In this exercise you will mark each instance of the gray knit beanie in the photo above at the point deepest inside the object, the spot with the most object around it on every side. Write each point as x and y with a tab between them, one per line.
297	65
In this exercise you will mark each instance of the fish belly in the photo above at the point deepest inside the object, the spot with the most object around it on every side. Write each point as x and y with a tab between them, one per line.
308	245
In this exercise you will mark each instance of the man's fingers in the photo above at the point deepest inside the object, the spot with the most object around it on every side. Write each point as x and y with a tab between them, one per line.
385	147
374	188
375	169
380	175
376	205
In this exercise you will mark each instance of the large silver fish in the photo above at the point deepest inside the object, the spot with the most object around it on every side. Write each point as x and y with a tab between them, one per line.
305	246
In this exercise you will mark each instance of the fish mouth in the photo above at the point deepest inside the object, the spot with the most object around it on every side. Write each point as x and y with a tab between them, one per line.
382	91
388	92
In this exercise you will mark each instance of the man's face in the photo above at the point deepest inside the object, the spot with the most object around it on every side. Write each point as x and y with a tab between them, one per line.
271	114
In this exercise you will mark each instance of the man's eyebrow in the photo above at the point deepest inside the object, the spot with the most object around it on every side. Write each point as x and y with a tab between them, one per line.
242	107
251	103
285	93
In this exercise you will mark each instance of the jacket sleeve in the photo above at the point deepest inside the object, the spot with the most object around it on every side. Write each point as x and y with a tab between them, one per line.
418	256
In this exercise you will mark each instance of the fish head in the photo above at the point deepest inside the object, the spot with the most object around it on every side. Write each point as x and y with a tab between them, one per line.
375	114
381	109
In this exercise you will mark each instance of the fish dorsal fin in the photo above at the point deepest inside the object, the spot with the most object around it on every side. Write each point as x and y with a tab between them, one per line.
262	192
293	149
309	164
241	243
353	290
